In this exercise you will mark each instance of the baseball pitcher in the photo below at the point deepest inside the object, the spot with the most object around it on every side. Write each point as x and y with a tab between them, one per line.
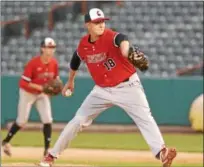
112	63
38	82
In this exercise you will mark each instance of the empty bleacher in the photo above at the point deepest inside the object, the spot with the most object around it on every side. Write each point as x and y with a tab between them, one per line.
169	33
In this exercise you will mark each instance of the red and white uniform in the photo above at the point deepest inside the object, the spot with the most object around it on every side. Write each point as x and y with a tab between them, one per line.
104	60
36	72
117	84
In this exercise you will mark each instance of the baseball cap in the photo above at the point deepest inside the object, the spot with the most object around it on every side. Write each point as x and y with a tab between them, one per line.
95	15
48	42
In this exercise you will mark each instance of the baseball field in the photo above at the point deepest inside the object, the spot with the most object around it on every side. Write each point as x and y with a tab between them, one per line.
105	149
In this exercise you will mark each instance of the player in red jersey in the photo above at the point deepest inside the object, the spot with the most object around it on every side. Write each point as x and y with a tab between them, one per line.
37	72
105	53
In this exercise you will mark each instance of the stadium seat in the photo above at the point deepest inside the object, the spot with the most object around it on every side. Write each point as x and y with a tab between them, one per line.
169	33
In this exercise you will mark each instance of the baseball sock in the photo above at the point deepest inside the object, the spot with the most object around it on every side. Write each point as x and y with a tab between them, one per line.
47	130
158	155
14	129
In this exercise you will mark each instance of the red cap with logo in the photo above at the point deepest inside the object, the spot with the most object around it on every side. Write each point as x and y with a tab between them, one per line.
48	43
95	15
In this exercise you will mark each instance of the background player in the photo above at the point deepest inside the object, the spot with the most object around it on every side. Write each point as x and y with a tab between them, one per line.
38	71
105	53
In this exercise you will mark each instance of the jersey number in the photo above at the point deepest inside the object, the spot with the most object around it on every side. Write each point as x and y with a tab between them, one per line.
109	64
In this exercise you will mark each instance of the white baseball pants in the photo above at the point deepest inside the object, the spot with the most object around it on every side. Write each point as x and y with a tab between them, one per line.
129	96
26	101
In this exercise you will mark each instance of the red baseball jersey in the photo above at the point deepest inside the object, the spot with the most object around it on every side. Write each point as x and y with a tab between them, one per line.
39	73
105	62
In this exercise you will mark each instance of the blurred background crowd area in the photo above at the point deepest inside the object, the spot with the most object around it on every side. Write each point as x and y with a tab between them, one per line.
169	33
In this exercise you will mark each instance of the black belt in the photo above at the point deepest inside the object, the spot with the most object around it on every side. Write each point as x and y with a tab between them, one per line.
126	80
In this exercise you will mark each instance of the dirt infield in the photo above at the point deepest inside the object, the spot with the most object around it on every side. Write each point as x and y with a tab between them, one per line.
109	128
31	165
98	155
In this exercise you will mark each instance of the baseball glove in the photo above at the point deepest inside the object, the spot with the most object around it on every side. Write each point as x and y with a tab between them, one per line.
53	87
138	59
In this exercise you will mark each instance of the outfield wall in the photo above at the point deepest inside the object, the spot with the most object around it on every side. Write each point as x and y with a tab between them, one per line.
169	100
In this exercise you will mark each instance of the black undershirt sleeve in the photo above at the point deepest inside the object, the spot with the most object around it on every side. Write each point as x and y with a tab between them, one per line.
75	61
119	38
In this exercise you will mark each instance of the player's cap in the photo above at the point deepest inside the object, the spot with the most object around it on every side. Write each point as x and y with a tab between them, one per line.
95	15
48	43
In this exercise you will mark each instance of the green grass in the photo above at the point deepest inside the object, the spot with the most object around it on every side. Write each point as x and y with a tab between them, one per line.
126	141
101	164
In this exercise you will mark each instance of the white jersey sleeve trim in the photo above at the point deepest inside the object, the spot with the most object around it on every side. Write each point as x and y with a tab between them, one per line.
78	55
114	40
26	78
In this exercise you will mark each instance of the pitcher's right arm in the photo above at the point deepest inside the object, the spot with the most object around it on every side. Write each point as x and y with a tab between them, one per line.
74	65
